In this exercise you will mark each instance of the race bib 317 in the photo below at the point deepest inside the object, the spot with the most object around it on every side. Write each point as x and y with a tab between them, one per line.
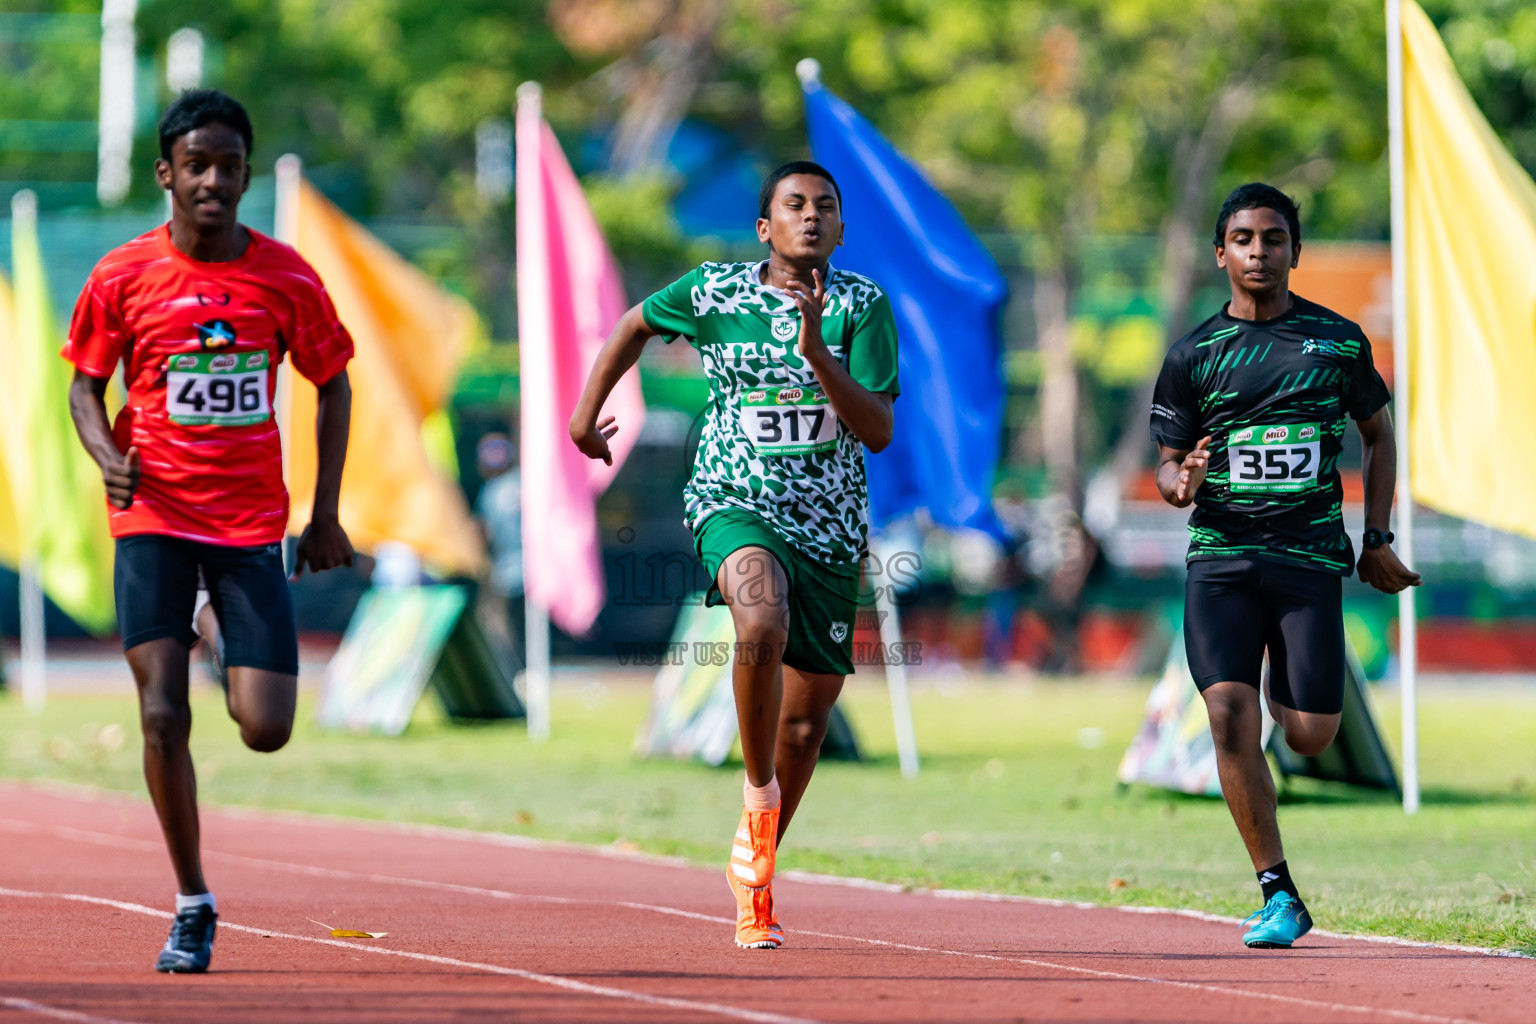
788	421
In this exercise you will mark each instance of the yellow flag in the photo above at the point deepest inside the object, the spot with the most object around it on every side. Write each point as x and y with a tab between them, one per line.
10	397
56	486
410	336
1471	282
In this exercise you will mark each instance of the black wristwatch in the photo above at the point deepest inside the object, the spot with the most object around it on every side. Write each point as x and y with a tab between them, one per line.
1375	538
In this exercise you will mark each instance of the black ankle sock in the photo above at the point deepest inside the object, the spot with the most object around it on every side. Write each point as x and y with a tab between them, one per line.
1277	879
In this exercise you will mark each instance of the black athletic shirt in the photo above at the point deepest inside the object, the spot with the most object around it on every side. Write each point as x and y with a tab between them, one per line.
1273	396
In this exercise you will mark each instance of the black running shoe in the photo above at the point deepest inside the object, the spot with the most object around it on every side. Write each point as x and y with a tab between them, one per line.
190	945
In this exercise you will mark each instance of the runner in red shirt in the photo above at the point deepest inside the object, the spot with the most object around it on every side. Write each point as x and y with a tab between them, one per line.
200	312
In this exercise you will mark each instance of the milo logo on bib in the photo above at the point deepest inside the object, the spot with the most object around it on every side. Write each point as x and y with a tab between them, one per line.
1281	459
788	421
224	390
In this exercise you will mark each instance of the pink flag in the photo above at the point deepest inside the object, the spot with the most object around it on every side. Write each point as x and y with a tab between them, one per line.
569	296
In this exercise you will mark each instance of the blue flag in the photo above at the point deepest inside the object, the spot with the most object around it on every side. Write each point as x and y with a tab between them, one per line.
947	293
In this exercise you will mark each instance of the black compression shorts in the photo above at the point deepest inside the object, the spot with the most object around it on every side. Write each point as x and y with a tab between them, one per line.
1235	608
156	583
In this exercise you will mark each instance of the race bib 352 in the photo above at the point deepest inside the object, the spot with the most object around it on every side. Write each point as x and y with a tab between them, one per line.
1276	460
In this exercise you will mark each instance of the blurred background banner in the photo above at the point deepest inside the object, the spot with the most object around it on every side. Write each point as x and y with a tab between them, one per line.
948	294
1088	154
60	506
411	337
570	295
10	432
1471	293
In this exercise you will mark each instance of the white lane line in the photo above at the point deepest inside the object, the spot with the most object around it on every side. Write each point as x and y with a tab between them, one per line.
518	842
504	894
57	1013
554	980
1198	986
93	794
1196	915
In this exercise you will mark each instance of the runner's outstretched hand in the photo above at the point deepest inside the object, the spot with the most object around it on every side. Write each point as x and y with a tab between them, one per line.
323	545
1382	569
1192	473
593	439
810	303
122	479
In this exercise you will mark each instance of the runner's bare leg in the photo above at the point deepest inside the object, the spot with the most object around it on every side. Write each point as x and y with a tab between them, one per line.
803	718
756	590
263	702
1249	789
160	671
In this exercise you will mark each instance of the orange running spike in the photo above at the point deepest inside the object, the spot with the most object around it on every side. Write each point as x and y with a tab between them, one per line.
750	876
753	851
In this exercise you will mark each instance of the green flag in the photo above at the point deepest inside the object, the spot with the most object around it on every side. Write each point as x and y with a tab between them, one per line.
56	486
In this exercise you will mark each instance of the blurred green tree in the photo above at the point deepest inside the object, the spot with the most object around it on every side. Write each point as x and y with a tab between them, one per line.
1064	119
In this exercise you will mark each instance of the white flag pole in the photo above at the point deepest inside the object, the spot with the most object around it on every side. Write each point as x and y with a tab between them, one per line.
534	328
896	681
285	228
34	635
537	677
115	120
895	660
1407	616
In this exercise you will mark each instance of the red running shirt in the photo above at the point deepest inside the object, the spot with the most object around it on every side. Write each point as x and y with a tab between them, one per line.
200	344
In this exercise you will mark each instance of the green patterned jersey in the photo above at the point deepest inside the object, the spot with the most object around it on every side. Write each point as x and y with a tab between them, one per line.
771	444
1274	396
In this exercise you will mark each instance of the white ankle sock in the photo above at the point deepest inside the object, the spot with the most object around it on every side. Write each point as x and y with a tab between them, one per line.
765	798
201	899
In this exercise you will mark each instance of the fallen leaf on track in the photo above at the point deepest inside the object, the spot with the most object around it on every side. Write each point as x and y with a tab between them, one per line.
348	933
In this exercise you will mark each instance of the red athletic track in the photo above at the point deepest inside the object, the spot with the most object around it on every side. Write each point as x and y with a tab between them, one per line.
491	928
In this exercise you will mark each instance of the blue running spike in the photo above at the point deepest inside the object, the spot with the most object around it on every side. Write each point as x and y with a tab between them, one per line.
190	944
1283	920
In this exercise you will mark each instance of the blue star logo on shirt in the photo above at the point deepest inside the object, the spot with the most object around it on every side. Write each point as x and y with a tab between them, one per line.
215	334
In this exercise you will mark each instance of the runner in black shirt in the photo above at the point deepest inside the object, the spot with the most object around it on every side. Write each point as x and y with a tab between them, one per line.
1249	417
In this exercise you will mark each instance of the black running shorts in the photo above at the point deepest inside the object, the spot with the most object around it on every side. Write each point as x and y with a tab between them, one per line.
1235	608
156	589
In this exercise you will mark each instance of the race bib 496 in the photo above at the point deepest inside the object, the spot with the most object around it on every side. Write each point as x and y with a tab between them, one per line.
788	421
1276	460
228	389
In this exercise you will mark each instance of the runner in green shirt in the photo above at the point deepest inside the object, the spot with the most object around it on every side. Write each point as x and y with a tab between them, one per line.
801	360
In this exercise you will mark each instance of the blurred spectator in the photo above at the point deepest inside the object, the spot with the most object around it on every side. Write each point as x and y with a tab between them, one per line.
499	508
1010	576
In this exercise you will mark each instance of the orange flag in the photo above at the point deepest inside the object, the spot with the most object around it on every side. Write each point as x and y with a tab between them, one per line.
411	336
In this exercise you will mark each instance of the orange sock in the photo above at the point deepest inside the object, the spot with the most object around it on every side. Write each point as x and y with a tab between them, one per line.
761	798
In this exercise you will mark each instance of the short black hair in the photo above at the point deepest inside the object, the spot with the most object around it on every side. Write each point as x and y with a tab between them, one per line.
1256	195
771	183
194	109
